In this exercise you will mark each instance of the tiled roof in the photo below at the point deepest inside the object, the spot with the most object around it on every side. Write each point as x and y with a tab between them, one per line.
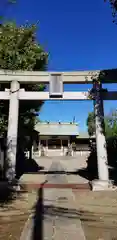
84	135
68	129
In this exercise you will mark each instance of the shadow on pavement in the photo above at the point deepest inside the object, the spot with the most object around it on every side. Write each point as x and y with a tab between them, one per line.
63	212
86	174
42	211
26	165
39	216
68	213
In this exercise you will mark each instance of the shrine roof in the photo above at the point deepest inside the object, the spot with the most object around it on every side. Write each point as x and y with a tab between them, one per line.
57	129
84	135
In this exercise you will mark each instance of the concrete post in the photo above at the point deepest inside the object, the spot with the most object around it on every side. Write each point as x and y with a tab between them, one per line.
61	143
39	147
46	147
12	130
100	139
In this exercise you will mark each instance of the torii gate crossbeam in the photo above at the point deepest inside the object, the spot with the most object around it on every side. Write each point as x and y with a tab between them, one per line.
14	94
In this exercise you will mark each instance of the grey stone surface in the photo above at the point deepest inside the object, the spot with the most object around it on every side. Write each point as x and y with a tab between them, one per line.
58	221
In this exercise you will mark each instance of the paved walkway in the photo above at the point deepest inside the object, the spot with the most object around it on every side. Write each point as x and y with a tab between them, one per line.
54	217
69	164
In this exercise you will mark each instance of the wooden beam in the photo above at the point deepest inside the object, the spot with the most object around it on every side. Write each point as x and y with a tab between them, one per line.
44	77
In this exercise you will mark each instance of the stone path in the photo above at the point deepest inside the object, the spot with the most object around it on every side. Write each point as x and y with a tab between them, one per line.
58	221
69	164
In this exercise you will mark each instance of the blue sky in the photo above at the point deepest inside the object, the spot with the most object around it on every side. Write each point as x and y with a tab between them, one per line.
79	35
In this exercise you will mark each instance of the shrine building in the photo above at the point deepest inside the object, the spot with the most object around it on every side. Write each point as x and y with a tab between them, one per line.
59	135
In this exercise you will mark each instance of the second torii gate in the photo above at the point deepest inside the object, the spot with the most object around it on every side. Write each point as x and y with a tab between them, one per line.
56	81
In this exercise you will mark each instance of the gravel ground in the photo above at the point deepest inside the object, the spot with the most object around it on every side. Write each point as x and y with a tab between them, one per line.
97	211
98	214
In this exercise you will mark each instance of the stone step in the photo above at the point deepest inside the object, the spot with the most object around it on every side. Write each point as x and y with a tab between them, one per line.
35	186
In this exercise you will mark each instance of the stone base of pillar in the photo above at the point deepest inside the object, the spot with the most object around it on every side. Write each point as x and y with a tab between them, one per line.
102	185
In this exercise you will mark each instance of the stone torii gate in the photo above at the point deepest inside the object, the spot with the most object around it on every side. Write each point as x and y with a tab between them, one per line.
56	81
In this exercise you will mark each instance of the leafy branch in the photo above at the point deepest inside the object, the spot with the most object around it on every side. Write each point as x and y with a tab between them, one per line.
113	4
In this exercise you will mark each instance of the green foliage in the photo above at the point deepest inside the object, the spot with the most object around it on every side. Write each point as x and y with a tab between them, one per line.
111	140
110	124
19	50
91	123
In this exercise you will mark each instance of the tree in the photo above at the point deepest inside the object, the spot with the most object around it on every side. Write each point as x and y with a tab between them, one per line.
20	51
111	140
110	124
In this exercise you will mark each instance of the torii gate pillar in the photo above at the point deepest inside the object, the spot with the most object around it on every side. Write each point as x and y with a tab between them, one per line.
12	130
102	160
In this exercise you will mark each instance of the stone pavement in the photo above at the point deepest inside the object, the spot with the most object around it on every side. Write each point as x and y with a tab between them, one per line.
54	216
69	164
